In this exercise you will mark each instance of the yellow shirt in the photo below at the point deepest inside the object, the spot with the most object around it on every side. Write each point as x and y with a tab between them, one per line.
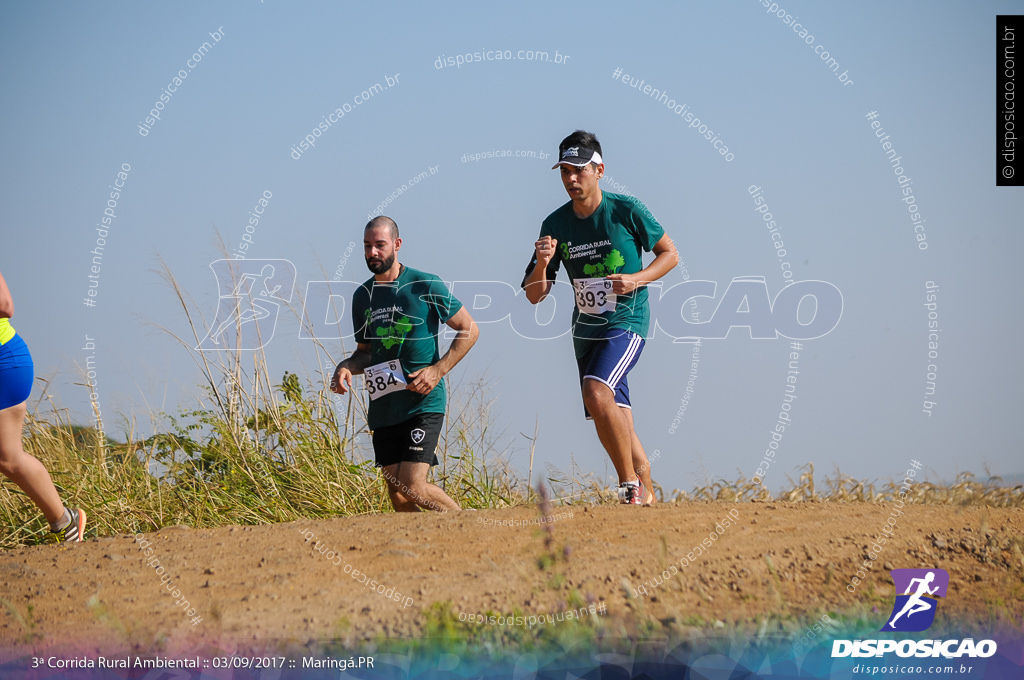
6	331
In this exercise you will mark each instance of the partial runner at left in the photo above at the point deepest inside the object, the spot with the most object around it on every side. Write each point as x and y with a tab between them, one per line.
16	375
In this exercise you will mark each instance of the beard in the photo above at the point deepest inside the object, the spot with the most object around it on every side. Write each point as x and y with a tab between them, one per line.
380	266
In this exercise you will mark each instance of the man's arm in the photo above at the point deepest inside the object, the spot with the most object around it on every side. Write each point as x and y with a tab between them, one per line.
537	284
426	379
354	365
665	258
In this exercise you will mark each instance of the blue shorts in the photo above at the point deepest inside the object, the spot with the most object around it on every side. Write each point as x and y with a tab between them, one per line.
609	360
16	372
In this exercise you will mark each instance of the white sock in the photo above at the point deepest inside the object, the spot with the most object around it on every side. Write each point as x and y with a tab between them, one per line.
64	520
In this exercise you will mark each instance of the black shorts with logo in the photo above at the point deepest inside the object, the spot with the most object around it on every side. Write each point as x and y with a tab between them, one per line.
411	441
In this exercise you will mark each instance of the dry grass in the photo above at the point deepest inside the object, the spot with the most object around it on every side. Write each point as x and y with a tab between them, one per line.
841	488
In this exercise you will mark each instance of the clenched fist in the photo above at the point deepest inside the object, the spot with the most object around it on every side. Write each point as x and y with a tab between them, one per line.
623	284
545	247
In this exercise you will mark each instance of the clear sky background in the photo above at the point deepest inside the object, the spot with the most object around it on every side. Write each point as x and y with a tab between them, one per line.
77	79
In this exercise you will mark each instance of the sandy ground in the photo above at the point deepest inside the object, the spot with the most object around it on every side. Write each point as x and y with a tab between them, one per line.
270	587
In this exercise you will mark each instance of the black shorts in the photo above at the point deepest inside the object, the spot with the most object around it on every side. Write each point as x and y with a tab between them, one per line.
412	441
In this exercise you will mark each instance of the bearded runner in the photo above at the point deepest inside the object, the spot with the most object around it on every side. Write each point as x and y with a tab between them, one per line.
397	314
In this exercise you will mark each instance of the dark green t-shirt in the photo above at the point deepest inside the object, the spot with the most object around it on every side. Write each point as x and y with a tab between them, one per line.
611	241
400	320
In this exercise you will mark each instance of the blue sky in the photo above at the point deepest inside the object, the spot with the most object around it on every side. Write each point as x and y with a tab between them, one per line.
78	80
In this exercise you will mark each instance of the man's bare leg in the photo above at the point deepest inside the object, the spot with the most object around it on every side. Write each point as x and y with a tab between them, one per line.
399	501
414	485
613	427
640	462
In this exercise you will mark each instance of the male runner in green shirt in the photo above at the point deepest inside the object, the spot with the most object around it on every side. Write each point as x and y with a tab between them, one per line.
396	315
599	237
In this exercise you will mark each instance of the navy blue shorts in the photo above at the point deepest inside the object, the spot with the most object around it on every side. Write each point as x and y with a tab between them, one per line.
16	372
609	360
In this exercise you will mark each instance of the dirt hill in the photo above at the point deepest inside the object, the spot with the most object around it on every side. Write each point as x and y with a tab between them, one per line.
257	587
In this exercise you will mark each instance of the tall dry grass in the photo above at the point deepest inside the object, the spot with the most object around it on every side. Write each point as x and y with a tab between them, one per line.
251	450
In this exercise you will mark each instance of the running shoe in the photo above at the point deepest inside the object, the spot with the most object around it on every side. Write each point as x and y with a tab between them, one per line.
73	532
631	493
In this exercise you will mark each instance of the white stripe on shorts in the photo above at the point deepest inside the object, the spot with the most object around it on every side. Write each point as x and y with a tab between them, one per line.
626	359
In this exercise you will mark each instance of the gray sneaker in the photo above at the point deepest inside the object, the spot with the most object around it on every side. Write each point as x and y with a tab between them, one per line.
631	494
73	532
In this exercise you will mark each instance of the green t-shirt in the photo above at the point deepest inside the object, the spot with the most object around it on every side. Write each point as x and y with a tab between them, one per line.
611	241
400	320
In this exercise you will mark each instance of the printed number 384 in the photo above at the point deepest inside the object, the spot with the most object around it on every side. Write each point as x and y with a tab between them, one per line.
380	383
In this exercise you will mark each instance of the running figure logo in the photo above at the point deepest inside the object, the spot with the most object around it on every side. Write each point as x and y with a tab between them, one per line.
914	610
251	293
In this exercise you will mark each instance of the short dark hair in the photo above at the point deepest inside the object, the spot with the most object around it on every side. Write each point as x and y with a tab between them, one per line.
580	138
384	221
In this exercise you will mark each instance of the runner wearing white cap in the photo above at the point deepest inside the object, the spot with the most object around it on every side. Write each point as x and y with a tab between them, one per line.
600	238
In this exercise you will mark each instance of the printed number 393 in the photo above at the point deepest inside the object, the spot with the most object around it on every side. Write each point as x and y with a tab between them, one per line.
589	299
